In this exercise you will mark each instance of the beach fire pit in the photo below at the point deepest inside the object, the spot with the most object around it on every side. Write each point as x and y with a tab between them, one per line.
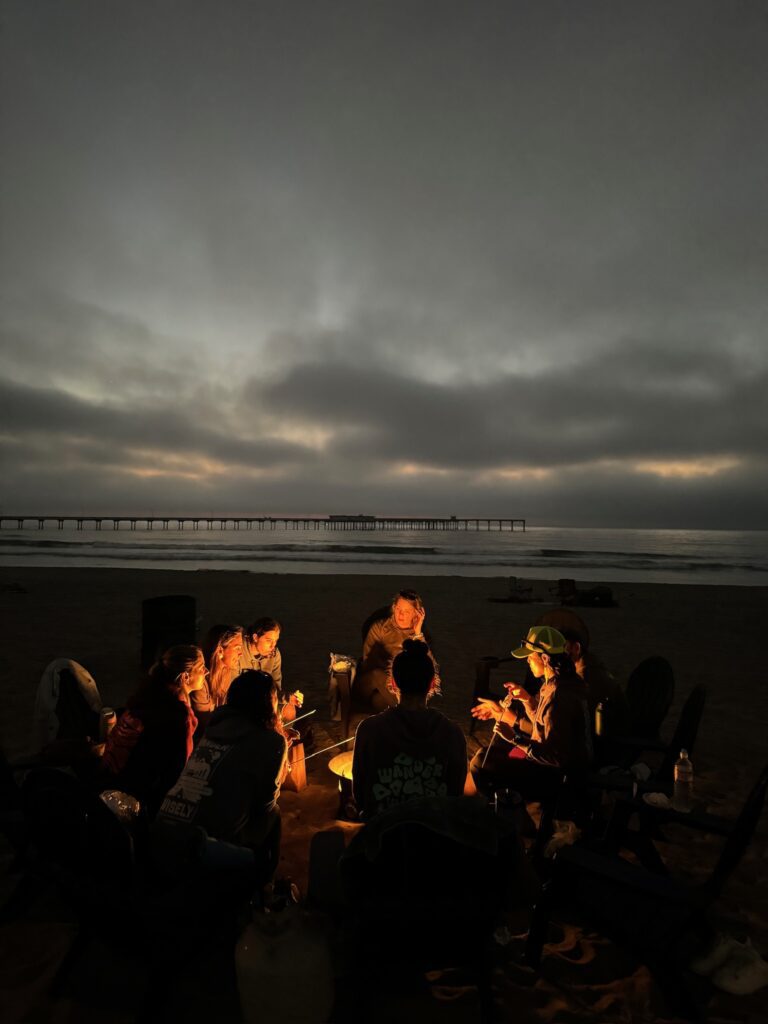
341	766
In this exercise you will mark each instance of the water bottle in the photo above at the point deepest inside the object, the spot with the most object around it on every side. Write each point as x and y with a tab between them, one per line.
682	796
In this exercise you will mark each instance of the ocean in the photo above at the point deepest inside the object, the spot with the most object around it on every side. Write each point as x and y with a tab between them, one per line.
591	555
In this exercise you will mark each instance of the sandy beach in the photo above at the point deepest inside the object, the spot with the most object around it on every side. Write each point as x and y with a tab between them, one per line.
711	635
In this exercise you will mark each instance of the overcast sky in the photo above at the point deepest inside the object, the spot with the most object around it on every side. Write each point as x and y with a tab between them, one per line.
397	257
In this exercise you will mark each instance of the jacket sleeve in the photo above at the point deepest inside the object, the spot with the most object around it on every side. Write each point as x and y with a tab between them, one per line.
277	669
372	638
563	730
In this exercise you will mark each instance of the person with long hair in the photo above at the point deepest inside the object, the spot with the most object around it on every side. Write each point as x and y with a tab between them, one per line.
152	740
222	649
260	652
231	783
381	645
408	750
532	762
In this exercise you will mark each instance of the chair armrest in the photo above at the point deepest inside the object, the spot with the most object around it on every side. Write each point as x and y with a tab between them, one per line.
695	819
621	872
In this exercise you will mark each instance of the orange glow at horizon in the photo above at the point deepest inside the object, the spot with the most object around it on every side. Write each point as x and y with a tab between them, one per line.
419	469
519	473
194	468
687	469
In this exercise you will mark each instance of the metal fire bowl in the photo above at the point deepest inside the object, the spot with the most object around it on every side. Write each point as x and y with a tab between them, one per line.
341	764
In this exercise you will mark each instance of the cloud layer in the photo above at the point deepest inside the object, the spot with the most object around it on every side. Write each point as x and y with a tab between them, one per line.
279	258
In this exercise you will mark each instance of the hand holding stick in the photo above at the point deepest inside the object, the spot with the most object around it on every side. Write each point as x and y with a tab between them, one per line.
511	695
305	715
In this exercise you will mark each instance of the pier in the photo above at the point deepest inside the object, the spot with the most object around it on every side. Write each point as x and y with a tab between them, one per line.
335	522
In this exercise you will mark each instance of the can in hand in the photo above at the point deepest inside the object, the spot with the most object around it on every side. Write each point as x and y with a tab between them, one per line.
107	722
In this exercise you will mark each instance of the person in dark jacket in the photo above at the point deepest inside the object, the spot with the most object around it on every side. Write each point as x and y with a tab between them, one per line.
260	652
231	783
409	750
383	642
149	746
532	762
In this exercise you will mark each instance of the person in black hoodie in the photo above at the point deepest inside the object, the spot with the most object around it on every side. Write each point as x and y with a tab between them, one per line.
558	738
409	750
231	783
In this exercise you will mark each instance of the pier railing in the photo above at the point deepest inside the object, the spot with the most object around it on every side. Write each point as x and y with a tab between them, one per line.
20	522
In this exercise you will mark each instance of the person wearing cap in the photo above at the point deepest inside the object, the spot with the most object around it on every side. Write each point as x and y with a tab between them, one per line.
560	736
602	687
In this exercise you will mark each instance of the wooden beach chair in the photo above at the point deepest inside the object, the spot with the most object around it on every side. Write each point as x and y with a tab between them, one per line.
650	691
661	779
653	915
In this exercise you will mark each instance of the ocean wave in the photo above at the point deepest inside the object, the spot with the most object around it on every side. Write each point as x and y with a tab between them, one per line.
209	549
381	555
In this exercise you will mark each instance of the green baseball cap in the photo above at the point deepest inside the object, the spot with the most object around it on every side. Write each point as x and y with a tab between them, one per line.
541	640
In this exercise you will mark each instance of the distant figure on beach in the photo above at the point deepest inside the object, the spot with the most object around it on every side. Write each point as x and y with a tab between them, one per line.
261	653
231	783
560	734
383	642
408	750
152	740
222	648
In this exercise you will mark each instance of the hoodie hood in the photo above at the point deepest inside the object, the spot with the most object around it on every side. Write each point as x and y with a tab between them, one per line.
228	725
404	724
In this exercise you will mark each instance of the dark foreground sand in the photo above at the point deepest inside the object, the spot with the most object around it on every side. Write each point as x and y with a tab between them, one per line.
711	635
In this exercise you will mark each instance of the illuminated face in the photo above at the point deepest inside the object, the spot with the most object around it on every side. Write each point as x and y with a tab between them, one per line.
197	675
404	613
267	642
230	653
536	665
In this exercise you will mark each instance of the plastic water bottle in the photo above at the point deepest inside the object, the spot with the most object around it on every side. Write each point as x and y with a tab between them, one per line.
682	796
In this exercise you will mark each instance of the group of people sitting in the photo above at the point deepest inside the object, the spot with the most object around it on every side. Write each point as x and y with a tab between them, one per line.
203	742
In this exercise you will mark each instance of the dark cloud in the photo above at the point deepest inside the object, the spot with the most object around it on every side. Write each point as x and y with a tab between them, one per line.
414	246
60	418
649	404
